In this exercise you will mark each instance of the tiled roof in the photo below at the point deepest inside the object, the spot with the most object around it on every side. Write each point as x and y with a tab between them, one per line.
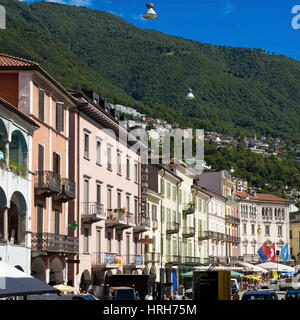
9	61
260	196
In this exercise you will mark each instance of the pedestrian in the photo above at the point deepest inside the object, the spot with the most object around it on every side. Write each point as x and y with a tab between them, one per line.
236	295
164	297
176	296
149	296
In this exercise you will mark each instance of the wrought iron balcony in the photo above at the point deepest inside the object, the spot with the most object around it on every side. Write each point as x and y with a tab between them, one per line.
116	219
92	212
233	239
142	225
189	208
68	189
188	232
106	260
204	235
151	257
132	261
47	183
172	227
232	219
174	259
191	261
58	243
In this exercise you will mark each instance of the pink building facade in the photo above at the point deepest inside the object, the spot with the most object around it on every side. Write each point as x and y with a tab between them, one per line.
107	207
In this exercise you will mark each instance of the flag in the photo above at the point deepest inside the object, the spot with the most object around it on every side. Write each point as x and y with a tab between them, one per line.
272	252
285	252
263	252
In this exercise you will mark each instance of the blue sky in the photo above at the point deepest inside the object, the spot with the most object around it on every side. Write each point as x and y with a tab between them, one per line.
265	24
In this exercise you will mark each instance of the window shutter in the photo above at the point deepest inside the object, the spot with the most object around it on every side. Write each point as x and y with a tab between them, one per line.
41	104
59	117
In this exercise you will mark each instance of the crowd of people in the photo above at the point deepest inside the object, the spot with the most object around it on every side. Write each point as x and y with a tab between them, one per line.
175	296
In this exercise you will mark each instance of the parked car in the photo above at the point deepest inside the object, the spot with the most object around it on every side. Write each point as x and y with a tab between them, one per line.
260	295
61	297
292	294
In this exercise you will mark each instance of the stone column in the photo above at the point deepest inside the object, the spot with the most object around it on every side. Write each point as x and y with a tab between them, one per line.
5	222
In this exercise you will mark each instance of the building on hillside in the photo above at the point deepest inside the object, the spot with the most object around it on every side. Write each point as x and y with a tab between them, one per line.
16	131
107	208
264	217
29	88
295	235
221	183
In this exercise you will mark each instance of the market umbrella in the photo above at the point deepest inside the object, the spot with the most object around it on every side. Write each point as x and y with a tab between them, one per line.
14	282
251	267
252	276
63	288
234	274
272	266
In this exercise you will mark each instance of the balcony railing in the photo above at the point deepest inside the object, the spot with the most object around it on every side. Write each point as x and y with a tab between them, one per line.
106	260
188	232
68	189
174	259
92	212
151	257
189	208
54	243
142	225
204	235
47	182
193	261
172	227
233	239
130	219
232	219
133	261
117	219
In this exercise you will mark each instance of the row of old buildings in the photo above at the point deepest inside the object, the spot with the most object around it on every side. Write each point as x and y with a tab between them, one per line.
78	203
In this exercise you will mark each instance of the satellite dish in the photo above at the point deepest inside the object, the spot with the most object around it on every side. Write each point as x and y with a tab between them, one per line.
150	14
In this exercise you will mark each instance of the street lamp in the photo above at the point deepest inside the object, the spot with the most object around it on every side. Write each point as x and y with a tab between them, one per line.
150	14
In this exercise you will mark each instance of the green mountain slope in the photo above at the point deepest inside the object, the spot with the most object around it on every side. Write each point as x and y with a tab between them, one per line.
239	90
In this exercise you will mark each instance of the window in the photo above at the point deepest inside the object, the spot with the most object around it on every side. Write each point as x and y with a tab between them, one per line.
128	168
253	229
40	216
98	152
109	166
162	214
267	230
86	240
128	203
279	230
136	172
245	249
98	190
109	241
154	212
180	196
174	193
136	210
56	163
119	244
86	145
291	234
109	199
59	117
253	250
119	164
41	104
119	200
57	221
162	186
245	228
169	190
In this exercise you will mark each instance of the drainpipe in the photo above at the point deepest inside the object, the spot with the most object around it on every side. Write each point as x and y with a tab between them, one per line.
177	204
78	182
207	227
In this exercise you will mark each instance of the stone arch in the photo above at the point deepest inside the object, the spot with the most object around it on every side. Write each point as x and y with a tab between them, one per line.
85	281
18	148
38	269
3	199
17	218
56	272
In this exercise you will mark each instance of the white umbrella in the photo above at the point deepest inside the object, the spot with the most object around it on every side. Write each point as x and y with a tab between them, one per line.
251	267
14	282
272	266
